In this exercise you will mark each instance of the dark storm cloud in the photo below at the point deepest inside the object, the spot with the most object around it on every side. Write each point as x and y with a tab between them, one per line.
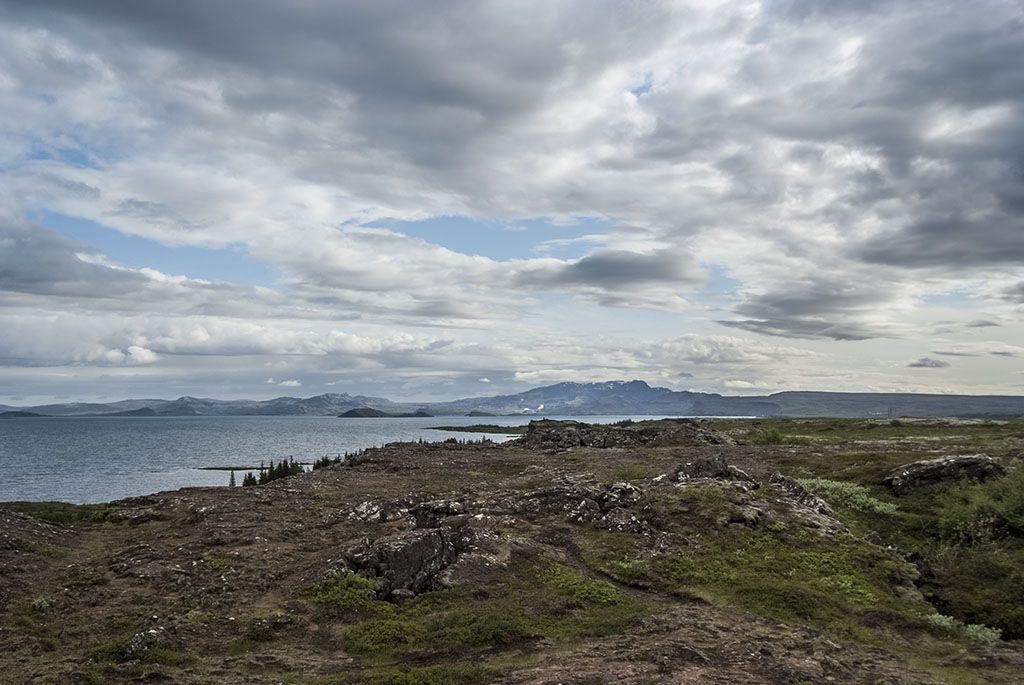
818	308
35	260
802	328
928	363
953	242
614	269
981	323
1015	293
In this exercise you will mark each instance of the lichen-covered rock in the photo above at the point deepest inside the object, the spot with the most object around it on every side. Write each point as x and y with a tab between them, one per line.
715	468
411	562
909	477
812	510
583	501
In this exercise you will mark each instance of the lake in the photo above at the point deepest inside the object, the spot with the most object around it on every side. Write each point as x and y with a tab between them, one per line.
85	460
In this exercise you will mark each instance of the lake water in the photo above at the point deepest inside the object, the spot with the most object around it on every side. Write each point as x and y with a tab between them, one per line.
98	459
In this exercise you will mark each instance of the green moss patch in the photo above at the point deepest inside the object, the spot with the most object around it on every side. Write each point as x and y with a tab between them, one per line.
533	599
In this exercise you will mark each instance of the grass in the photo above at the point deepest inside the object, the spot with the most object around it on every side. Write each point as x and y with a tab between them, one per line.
39	618
533	599
984	435
22	545
220	562
440	674
121	650
839	583
66	514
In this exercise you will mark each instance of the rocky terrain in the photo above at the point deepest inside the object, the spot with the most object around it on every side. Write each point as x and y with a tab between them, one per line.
657	552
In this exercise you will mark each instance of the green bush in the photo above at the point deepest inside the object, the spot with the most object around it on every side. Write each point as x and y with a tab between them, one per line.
343	592
579	588
848	495
976	512
974	633
384	635
773	436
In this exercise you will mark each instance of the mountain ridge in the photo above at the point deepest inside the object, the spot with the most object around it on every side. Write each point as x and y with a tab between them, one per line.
634	397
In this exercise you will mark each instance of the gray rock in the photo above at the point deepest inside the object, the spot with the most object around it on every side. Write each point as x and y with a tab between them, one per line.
715	468
409	563
549	434
811	509
909	477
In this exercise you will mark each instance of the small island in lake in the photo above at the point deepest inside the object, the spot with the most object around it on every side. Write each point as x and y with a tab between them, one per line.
371	413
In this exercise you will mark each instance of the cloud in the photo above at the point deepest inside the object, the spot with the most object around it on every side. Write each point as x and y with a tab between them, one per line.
291	384
824	173
928	363
614	269
719	349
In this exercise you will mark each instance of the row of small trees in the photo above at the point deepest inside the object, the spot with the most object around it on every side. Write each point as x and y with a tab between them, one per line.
283	469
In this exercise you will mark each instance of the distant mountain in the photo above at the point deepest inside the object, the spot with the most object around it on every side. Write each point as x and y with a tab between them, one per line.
15	414
572	399
87	408
578	399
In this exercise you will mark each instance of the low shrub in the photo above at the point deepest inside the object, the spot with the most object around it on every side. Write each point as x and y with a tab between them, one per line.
343	592
848	495
974	633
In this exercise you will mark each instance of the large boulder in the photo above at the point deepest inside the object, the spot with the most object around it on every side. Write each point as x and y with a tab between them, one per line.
715	467
909	477
409	564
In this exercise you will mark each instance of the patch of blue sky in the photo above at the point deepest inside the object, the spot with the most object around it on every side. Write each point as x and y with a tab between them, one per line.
66	155
503	239
643	88
229	264
721	289
76	154
952	298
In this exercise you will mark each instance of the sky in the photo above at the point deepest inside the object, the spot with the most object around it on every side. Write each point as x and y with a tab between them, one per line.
425	201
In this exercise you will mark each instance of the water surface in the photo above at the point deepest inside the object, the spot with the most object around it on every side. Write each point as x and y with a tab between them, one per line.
98	459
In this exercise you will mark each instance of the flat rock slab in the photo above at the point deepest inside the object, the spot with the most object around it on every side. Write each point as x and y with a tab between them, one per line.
909	477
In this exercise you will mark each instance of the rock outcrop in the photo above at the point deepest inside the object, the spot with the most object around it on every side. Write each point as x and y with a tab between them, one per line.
583	501
409	564
548	434
18	530
811	508
910	477
714	468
